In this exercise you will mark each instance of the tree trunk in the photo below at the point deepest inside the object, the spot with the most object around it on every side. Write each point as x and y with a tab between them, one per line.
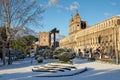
54	34
3	55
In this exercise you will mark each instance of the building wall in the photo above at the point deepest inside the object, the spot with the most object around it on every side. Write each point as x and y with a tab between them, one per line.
108	32
44	39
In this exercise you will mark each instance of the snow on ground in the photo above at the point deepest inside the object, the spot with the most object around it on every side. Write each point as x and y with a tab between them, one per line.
22	70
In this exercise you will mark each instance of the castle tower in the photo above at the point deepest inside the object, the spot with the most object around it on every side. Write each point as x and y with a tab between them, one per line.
44	39
76	24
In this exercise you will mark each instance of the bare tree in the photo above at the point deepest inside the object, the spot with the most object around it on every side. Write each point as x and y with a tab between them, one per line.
19	13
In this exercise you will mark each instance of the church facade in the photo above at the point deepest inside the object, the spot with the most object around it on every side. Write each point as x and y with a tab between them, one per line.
105	35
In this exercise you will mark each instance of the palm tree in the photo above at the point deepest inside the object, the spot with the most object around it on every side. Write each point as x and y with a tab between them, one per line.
54	31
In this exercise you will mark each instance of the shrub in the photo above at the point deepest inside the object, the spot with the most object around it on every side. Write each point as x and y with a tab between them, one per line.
37	56
55	56
106	61
48	53
65	57
40	59
59	51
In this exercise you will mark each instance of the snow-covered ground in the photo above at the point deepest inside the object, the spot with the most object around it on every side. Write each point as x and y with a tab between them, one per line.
22	70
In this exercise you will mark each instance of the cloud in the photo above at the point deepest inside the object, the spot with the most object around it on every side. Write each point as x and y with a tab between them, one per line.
67	8
77	4
53	2
59	6
74	6
107	14
113	4
41	5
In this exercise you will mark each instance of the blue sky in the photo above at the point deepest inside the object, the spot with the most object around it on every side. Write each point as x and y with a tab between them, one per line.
58	12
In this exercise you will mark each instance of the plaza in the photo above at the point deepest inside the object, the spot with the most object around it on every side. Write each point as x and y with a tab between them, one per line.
22	70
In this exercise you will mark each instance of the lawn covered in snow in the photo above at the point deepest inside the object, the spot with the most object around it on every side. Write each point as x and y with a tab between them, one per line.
22	70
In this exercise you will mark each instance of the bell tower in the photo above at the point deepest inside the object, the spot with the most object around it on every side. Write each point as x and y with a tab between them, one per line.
76	24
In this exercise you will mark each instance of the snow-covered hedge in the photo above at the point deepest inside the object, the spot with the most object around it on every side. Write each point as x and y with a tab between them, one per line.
66	54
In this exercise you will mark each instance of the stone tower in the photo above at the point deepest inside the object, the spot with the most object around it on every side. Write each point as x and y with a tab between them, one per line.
76	24
44	39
